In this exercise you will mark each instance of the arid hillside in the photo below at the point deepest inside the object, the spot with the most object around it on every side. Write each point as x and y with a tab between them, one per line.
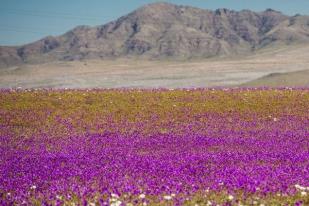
288	79
167	31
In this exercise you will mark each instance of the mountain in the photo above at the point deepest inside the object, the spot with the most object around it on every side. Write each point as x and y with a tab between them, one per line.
167	31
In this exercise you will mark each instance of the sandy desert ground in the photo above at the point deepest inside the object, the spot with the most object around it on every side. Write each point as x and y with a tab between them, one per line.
170	74
289	79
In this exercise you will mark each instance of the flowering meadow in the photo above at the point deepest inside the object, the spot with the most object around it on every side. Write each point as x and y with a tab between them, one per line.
154	147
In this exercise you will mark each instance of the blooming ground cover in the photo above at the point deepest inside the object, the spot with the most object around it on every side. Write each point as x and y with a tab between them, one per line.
154	147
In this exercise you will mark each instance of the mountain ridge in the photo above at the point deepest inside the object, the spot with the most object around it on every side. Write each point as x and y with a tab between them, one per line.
166	31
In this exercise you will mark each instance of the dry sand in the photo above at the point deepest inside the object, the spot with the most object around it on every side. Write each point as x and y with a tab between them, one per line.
289	79
169	74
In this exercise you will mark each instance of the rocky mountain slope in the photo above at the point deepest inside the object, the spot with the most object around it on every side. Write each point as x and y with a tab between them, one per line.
163	30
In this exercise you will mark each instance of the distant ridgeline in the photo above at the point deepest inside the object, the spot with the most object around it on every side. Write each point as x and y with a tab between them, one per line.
163	30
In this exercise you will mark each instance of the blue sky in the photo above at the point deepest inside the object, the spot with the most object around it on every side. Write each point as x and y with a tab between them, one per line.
24	21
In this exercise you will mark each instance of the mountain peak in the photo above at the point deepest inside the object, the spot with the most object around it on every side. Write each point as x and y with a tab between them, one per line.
160	4
157	5
222	11
163	30
269	10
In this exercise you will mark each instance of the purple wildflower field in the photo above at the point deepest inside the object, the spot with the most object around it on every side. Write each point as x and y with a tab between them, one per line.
154	147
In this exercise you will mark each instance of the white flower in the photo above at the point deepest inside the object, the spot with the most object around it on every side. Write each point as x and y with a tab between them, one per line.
209	203
142	196
8	194
91	204
303	193
33	187
167	197
114	200
255	202
116	203
300	187
275	119
144	203
114	195
173	195
230	197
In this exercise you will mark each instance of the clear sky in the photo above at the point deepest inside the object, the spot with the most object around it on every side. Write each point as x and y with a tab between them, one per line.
24	21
